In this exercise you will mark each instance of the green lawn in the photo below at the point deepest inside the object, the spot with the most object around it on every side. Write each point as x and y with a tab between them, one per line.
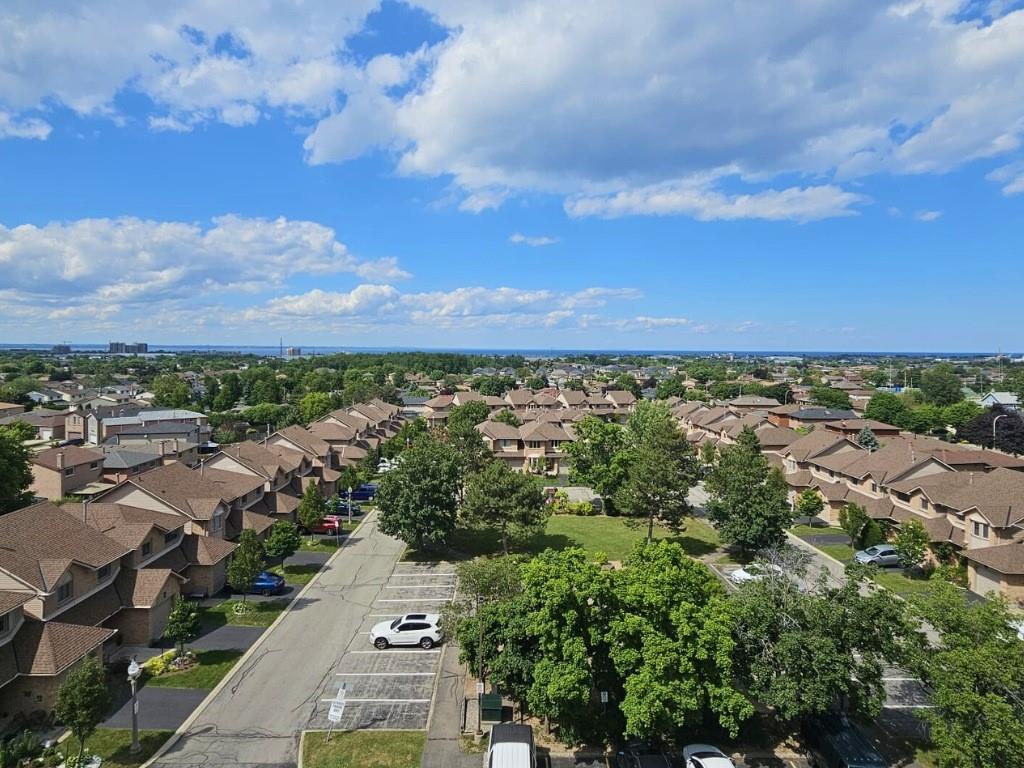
260	614
112	744
212	667
363	749
901	584
299	575
329	543
613	536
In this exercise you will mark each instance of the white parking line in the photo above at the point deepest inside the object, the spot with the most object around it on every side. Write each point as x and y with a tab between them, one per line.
383	701
900	679
907	706
420	586
392	650
385	674
421	575
384	615
416	600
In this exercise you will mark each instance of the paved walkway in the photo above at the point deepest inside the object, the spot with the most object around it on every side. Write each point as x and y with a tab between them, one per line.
255	717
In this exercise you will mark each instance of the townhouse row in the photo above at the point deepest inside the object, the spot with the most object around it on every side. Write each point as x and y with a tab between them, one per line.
969	499
99	575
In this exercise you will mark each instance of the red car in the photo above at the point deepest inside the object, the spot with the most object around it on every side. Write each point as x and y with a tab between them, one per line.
331	524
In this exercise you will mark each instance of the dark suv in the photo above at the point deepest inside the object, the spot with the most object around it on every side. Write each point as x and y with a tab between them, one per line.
835	742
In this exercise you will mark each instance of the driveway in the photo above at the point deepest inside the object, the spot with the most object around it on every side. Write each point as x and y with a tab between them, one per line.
161	709
255	717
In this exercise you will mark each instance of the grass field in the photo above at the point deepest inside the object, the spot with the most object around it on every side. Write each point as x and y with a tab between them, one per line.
299	575
212	667
259	614
328	543
615	537
363	749
113	744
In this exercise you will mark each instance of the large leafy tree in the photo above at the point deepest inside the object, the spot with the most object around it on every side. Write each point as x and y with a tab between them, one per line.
912	543
1009	432
748	499
595	455
83	700
976	676
803	652
853	519
940	385
314	405
661	470
827	397
169	391
887	408
509	502
671	644
312	507
418	499
15	473
461	433
246	563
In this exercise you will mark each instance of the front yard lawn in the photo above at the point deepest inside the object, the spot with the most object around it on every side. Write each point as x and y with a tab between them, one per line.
363	749
113	744
299	575
900	583
328	543
614	536
212	667
260	613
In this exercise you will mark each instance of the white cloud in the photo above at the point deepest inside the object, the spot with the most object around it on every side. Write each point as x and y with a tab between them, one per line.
1011	177
138	260
928	215
534	241
694	199
12	127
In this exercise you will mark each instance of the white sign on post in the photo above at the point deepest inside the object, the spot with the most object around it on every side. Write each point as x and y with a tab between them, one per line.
479	689
334	714
604	697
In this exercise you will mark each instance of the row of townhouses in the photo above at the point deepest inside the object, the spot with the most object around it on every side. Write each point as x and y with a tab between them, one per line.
970	500
98	573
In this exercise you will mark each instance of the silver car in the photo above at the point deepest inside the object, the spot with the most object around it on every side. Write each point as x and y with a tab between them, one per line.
880	554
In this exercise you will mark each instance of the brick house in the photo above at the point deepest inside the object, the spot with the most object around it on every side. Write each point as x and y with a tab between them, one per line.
59	472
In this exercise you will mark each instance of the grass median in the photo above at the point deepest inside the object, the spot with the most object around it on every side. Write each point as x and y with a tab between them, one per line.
210	670
258	613
363	749
114	746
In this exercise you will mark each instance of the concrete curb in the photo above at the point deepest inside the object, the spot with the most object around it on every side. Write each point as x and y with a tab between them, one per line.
807	545
183	728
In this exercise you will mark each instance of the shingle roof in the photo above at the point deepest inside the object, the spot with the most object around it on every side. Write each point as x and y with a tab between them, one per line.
233	485
143	587
126	458
498	430
997	495
73	456
39	543
206	550
1007	559
11	600
182	488
95	609
260	458
49	648
306	440
255	521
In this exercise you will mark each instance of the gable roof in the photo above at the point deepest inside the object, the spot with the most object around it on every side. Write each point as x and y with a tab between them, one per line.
47	649
1007	559
72	455
125	524
183	489
39	543
259	458
997	495
305	440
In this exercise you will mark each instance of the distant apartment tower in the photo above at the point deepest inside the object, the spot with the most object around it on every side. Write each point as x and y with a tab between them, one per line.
122	348
294	351
61	349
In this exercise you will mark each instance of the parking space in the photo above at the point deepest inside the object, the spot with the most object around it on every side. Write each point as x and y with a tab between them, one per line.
392	688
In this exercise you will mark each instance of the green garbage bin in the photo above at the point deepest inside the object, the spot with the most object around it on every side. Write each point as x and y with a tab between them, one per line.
490	707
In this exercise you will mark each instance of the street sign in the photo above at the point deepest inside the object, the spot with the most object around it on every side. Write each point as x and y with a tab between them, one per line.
336	711
604	697
479	689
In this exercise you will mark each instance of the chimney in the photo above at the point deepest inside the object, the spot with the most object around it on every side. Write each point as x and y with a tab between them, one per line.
60	459
85	511
202	468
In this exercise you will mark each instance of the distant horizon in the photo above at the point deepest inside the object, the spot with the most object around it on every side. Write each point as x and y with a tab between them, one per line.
320	349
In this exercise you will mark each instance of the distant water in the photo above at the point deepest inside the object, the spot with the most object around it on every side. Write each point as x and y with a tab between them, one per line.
264	351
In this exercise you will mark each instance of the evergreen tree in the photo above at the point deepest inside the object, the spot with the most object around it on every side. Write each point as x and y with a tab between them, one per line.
866	439
510	502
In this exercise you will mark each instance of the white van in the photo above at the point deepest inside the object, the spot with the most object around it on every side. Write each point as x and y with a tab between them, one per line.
511	746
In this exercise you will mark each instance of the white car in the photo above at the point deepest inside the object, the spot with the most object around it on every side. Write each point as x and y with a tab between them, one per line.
422	629
754	572
705	756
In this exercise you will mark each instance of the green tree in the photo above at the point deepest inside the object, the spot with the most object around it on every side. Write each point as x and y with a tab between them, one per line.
912	542
505	416
83	700
827	397
418	499
941	386
314	406
169	391
536	382
661	472
708	455
809	504
467	416
512	503
975	673
312	508
853	518
748	499
264	391
464	438
958	414
230	392
866	439
493	385
671	645
594	455
284	540
183	623
15	473
626	382
673	387
887	408
246	563
803	652
19	430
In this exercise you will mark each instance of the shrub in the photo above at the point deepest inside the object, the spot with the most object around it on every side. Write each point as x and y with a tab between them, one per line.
871	535
954	574
160	664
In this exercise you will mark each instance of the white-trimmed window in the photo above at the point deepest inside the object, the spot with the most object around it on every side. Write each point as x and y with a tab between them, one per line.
980	529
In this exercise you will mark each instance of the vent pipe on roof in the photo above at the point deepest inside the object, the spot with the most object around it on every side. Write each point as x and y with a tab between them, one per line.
970	481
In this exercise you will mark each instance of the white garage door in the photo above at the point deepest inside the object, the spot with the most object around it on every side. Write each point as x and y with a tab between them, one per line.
985	580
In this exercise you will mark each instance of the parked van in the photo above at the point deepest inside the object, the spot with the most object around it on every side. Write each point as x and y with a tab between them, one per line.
511	746
835	742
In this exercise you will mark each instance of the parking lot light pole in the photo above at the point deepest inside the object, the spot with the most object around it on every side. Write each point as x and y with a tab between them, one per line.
350	505
994	422
134	672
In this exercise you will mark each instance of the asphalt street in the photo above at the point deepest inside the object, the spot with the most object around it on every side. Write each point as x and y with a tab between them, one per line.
255	718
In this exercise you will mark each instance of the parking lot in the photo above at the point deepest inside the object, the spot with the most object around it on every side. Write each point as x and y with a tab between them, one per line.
392	688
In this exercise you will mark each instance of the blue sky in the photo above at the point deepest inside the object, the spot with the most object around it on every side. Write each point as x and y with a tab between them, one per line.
845	175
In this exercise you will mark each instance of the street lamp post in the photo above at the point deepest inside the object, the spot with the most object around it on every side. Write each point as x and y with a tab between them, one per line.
350	505
134	672
994	422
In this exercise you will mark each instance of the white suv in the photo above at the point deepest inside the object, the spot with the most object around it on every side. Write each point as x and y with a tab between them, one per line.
422	629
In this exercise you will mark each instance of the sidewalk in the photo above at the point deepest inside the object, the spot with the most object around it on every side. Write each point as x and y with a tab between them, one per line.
444	728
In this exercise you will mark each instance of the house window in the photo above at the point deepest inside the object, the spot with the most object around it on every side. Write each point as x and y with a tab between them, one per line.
103	572
171	536
94	465
65	589
216	522
69	471
980	529
924	503
5	624
147	548
874	487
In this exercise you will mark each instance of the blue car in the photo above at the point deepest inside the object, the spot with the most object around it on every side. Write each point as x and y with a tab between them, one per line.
364	492
267	584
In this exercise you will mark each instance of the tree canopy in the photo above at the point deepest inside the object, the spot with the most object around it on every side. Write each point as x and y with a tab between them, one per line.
15	473
509	502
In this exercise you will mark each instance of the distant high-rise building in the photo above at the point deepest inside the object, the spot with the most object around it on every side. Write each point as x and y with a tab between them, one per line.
294	351
61	349
123	348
